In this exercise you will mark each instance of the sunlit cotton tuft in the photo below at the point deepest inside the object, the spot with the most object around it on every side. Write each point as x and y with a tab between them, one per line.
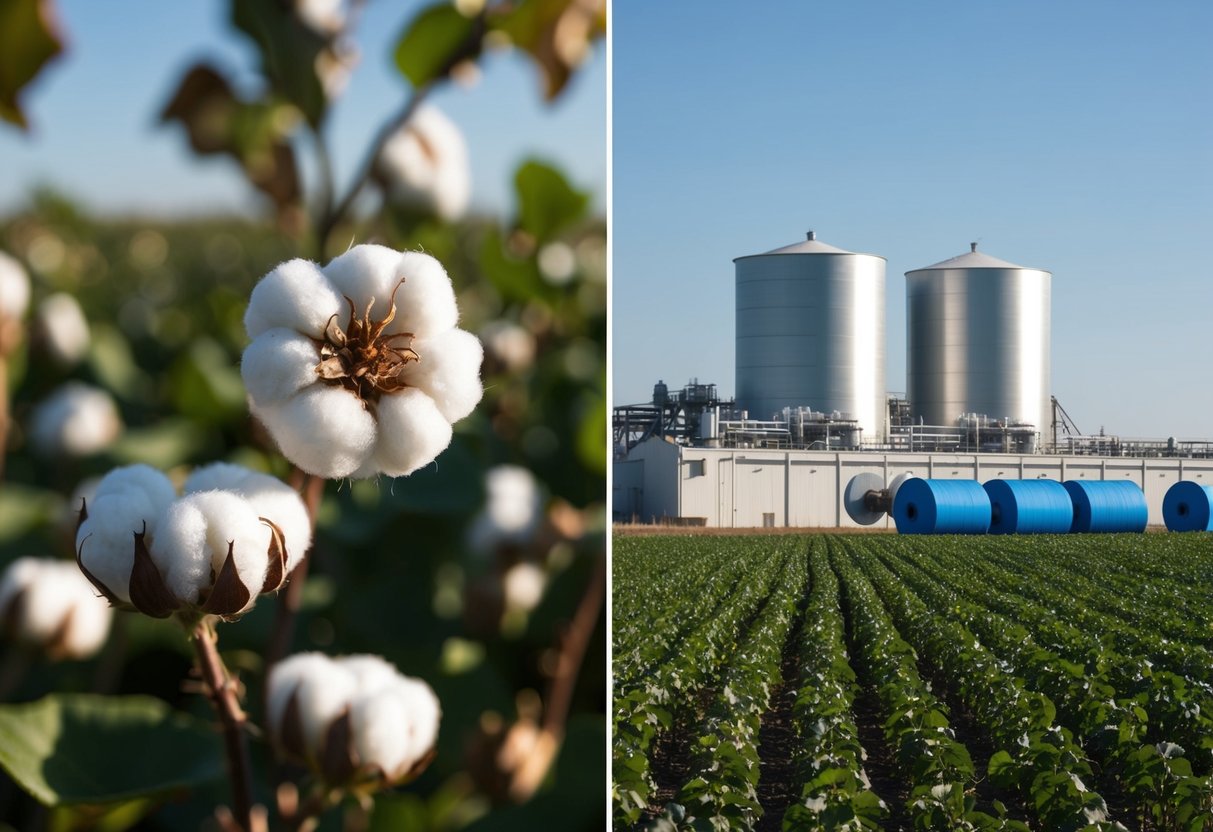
76	420
63	328
235	534
14	288
353	720
48	605
425	165
357	368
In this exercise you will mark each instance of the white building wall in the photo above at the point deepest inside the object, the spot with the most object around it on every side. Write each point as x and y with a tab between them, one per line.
745	488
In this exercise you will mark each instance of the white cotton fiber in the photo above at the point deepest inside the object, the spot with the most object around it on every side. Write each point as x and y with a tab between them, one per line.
14	288
279	503
192	544
217	476
283	680
278	364
76	420
324	430
412	432
364	273
323	693
58	608
106	540
425	164
426	301
63	327
449	372
295	295
380	729
512	511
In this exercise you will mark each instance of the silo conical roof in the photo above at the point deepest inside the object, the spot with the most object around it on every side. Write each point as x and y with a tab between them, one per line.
809	245
972	259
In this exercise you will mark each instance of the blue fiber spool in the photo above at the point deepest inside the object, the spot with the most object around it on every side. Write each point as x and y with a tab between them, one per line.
1188	507
1107	506
1029	507
941	507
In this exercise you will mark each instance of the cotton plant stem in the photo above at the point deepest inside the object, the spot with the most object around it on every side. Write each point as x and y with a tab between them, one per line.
469	47
222	692
573	646
312	490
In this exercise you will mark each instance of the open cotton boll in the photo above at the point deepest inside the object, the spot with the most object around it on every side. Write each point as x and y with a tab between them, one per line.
50	605
62	324
76	420
325	17
512	512
512	346
425	165
393	719
346	392
198	534
523	584
14	288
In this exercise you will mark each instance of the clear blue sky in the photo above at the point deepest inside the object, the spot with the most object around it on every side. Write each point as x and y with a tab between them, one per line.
1075	137
95	111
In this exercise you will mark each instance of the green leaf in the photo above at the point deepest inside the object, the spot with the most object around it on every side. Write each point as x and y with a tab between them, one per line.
24	508
556	34
288	52
546	201
27	41
170	442
433	42
81	748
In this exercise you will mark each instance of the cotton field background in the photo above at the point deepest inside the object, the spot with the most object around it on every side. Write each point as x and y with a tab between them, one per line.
479	576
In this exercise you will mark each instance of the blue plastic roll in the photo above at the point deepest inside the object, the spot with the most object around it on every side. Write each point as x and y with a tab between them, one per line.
1188	507
941	507
1029	507
1107	506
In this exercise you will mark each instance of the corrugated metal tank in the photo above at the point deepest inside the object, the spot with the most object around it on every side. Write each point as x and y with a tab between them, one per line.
810	332
977	341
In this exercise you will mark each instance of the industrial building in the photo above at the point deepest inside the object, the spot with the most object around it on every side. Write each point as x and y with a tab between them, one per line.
812	412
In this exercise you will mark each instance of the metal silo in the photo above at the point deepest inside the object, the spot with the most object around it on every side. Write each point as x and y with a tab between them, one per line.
810	332
977	341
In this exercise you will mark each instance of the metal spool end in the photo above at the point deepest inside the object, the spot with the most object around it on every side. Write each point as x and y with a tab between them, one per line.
856	498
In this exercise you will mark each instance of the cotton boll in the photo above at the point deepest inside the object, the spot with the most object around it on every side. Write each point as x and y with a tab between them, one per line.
449	372
324	430
49	604
412	432
338	393
393	720
295	295
325	17
278	364
14	288
76	420
524	584
62	324
512	512
195	538
511	345
425	165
